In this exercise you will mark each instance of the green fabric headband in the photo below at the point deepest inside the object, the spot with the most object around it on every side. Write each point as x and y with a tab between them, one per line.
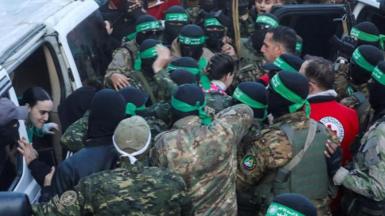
193	70
146	54
192	41
212	22
282	64
298	47
132	108
177	17
360	60
379	75
204	80
267	21
185	107
244	98
276	209
278	86
152	25
367	37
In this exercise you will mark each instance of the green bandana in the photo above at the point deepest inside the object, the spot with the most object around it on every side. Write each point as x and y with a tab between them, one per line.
244	98
204	80
185	107
192	41
132	108
146	54
298	47
176	17
283	65
378	75
276	209
278	86
267	21
361	61
212	22
367	37
152	25
193	70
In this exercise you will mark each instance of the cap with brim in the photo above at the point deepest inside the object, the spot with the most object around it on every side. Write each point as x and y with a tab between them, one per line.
9	112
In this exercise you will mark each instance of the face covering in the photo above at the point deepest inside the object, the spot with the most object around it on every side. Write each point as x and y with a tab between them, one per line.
257	39
147	66
140	37
9	134
171	31
194	51
214	40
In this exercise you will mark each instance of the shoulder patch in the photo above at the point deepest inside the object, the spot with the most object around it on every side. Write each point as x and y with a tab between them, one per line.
68	198
249	162
335	126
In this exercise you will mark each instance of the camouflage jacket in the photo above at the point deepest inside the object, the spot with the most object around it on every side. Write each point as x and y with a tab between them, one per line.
128	190
195	14
205	156
216	97
73	138
367	176
247	26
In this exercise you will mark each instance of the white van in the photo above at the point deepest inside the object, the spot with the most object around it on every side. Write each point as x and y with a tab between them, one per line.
55	44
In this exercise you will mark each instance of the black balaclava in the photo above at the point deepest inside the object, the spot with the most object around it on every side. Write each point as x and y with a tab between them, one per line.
180	77
75	105
133	9
377	90
291	202
175	18
146	62
263	22
190	94
9	133
194	32
368	28
363	61
207	5
186	63
215	31
153	32
106	111
255	91
296	82
286	62
135	100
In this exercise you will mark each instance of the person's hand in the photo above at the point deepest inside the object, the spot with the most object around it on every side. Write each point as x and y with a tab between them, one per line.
108	27
48	128
228	49
333	155
226	40
119	81
27	150
48	177
164	57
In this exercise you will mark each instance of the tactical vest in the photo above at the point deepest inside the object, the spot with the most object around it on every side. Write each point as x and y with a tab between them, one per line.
309	177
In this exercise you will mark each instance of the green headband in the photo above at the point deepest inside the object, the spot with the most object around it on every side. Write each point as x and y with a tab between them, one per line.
368	37
193	70
204	80
212	22
378	75
298	47
185	107
244	98
132	108
146	54
283	65
276	209
177	17
192	41
152	25
278	86
360	60
267	21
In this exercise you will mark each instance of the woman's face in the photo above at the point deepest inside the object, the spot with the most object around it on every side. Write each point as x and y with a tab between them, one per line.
264	6
39	113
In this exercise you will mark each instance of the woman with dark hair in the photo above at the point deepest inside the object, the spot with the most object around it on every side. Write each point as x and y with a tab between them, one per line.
39	103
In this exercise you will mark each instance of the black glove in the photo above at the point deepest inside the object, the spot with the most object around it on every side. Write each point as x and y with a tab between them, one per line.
334	162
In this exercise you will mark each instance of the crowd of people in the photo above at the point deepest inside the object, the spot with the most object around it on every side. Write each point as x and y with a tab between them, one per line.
195	120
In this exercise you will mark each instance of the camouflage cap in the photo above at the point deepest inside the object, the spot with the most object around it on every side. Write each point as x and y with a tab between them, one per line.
132	137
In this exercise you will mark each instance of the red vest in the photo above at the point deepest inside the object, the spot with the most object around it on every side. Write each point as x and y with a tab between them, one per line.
158	10
342	120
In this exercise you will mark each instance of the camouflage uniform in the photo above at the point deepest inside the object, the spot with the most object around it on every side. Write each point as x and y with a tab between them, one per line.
217	98
128	190
247	26
271	150
176	52
205	156
195	14
73	138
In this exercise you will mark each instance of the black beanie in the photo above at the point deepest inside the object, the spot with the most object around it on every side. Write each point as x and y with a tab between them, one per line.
145	64
180	77
372	55
192	30
148	43
141	36
189	48
175	9
183	63
286	61
367	27
295	82
257	92
267	23
145	18
296	202
133	96
377	88
190	94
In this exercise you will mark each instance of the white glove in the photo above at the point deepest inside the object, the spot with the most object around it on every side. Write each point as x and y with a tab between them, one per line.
48	128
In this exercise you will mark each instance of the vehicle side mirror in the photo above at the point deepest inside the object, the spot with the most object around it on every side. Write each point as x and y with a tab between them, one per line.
14	204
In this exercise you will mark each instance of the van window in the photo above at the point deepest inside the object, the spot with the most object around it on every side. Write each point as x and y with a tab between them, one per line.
11	164
373	15
89	44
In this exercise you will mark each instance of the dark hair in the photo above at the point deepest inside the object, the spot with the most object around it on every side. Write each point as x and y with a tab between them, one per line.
32	95
321	71
219	66
285	36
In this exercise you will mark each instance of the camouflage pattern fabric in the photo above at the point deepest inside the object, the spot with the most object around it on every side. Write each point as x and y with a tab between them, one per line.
341	81
205	156
195	14
247	26
163	79
218	101
128	190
